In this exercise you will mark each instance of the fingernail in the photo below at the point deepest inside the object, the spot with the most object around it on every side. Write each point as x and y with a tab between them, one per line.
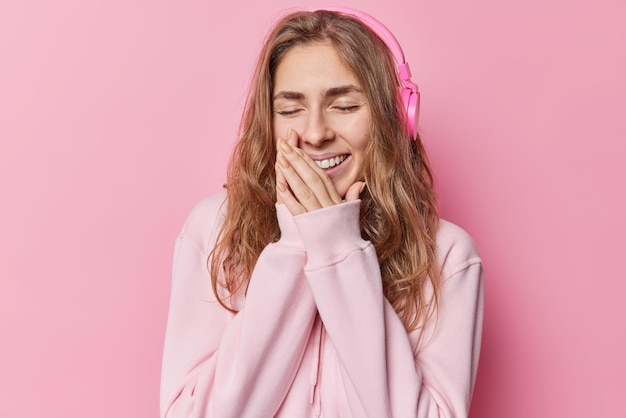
281	187
282	161
285	147
289	133
362	187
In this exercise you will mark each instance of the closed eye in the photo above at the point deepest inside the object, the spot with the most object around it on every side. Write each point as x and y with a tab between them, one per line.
288	112
347	108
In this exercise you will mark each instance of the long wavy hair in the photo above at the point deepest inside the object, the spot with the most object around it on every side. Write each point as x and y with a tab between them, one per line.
398	207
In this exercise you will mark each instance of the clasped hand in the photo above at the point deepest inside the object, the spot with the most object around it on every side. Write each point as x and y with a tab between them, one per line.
301	184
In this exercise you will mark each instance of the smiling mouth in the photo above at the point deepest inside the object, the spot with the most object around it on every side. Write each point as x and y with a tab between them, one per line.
331	162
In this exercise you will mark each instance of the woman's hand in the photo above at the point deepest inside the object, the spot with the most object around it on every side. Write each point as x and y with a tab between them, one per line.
301	184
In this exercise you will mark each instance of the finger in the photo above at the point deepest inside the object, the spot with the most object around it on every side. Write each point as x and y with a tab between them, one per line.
286	197
306	185
280	180
298	188
328	183
292	139
310	184
354	192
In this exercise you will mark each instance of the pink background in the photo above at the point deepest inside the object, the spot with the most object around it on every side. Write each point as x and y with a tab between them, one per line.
116	117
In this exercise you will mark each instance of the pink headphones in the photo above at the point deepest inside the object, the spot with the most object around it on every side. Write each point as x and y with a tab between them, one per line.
408	90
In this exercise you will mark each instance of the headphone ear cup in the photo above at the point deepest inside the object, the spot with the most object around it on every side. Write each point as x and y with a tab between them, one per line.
409	91
411	102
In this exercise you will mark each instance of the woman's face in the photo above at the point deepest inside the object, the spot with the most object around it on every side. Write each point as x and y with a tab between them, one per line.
316	95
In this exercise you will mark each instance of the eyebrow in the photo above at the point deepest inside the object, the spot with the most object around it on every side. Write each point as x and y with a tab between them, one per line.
331	92
341	90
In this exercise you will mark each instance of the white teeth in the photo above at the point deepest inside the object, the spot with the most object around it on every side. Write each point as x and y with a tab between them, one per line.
331	162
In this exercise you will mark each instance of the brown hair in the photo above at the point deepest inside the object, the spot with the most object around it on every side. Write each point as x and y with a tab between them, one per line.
398	207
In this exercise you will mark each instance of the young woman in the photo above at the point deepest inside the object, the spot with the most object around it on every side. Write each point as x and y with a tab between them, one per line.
323	283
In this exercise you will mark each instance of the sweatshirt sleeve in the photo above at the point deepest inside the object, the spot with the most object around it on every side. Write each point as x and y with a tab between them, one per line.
217	364
384	373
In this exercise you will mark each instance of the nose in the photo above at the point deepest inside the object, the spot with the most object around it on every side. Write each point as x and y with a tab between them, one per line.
317	129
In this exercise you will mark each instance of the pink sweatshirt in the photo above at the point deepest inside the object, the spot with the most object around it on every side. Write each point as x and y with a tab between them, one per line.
314	336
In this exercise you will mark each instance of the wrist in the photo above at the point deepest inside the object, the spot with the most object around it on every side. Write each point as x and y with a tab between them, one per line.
289	234
330	233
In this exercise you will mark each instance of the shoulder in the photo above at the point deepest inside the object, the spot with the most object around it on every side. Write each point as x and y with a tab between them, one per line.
204	220
456	249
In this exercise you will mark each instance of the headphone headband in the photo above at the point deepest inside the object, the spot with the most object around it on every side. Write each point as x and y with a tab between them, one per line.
409	90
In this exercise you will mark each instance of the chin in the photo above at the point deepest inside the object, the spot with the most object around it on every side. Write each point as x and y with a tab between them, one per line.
341	189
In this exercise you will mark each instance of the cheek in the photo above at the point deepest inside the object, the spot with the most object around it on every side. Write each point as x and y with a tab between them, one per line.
280	128
365	141
361	143
361	134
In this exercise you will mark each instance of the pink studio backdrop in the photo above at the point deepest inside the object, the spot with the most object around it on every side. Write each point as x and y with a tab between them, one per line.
117	116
